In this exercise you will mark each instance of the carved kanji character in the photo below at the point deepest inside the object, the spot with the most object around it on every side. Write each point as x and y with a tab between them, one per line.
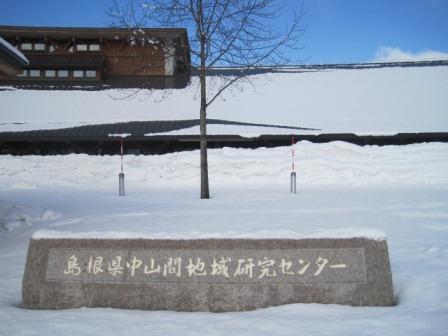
152	268
115	267
134	264
221	267
73	266
172	266
197	268
266	265
245	267
95	265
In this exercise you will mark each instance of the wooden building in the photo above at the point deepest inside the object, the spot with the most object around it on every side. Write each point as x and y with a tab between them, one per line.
12	61
101	57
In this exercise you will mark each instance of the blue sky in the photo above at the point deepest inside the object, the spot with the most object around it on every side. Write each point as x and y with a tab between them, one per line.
337	30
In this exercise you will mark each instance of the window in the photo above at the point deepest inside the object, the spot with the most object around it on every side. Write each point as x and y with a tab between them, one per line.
86	46
26	46
34	73
94	47
91	73
50	73
81	47
51	48
63	73
39	46
78	73
23	74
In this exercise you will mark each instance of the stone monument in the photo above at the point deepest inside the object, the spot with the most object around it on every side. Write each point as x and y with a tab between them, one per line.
216	275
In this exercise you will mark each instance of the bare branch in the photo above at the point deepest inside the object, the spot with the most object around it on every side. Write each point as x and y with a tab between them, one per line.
236	33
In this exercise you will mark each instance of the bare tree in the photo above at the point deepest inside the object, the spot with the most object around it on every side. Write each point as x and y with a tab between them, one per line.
242	34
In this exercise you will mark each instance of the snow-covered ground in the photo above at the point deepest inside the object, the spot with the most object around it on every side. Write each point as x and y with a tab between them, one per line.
365	101
399	190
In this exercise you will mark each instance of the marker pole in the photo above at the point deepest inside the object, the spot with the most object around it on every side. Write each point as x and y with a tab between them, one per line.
121	175
293	173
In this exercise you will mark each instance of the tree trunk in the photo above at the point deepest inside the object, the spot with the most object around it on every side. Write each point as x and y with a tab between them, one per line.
205	194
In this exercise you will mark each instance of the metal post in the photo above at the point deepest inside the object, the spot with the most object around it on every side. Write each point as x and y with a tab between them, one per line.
121	184
121	175
293	182
293	173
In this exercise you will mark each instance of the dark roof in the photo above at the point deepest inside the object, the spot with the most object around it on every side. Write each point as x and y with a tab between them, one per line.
129	82
236	71
135	128
89	32
65	61
7	50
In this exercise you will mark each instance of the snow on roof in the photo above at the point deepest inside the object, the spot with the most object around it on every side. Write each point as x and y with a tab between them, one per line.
363	101
274	234
13	52
87	32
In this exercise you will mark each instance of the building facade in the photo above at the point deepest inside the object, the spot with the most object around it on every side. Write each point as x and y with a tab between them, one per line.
101	57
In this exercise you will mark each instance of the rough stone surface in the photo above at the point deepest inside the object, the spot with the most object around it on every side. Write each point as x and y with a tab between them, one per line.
205	275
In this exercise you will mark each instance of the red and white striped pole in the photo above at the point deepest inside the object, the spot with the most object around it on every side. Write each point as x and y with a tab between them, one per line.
121	175
121	152
293	173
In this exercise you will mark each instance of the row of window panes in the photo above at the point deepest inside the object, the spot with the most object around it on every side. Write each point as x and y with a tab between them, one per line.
59	73
42	47
84	73
88	47
39	46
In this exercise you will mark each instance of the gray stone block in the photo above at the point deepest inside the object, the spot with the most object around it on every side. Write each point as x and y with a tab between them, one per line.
205	275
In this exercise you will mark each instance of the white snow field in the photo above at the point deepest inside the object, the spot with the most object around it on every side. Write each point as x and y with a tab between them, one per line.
342	189
363	101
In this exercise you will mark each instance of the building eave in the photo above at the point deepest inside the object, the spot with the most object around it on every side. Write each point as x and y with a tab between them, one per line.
88	32
12	56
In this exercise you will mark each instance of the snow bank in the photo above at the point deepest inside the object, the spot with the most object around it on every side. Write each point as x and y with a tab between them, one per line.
368	101
335	163
15	216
